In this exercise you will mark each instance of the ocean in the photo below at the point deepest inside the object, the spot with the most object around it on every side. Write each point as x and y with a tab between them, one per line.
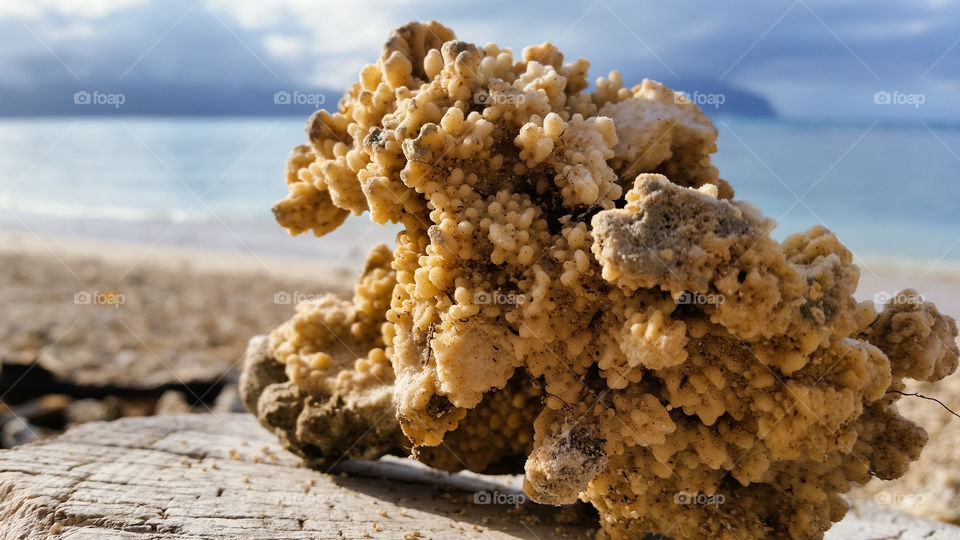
890	192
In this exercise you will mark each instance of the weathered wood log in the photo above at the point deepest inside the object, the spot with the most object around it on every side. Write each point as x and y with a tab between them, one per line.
223	476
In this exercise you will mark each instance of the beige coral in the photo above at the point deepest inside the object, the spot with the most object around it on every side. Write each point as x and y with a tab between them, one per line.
574	286
323	379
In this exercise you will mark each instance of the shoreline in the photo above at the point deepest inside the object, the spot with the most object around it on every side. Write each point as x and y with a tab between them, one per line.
880	283
172	258
943	268
880	277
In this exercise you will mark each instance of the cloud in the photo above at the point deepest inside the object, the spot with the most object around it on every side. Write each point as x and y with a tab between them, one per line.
330	26
796	51
284	47
83	9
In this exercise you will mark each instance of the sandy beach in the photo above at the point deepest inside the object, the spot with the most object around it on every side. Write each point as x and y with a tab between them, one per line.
105	317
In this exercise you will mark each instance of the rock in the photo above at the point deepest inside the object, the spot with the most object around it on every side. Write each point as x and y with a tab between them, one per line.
18	431
172	402
82	411
228	400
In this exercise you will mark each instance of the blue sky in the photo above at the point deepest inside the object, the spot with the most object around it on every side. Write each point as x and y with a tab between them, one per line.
810	59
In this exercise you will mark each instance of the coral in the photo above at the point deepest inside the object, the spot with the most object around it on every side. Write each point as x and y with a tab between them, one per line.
575	295
921	345
931	487
323	379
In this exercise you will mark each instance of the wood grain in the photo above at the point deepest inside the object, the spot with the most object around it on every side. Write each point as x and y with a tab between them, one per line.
222	476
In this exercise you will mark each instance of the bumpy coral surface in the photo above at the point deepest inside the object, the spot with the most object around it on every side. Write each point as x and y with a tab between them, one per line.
575	295
932	485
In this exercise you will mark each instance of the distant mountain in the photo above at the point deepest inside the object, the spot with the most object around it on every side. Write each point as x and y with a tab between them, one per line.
75	99
718	98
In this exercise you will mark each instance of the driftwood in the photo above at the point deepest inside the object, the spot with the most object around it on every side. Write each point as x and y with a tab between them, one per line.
222	476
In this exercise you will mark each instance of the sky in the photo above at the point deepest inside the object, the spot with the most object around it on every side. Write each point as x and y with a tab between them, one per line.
810	59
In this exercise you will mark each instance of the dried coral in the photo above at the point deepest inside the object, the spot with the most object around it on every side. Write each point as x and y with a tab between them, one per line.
574	285
323	379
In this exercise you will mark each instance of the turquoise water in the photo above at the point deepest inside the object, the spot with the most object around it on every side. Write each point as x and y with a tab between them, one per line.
887	191
890	192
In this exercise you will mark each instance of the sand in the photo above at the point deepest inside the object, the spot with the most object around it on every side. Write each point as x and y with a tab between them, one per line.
881	282
132	315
